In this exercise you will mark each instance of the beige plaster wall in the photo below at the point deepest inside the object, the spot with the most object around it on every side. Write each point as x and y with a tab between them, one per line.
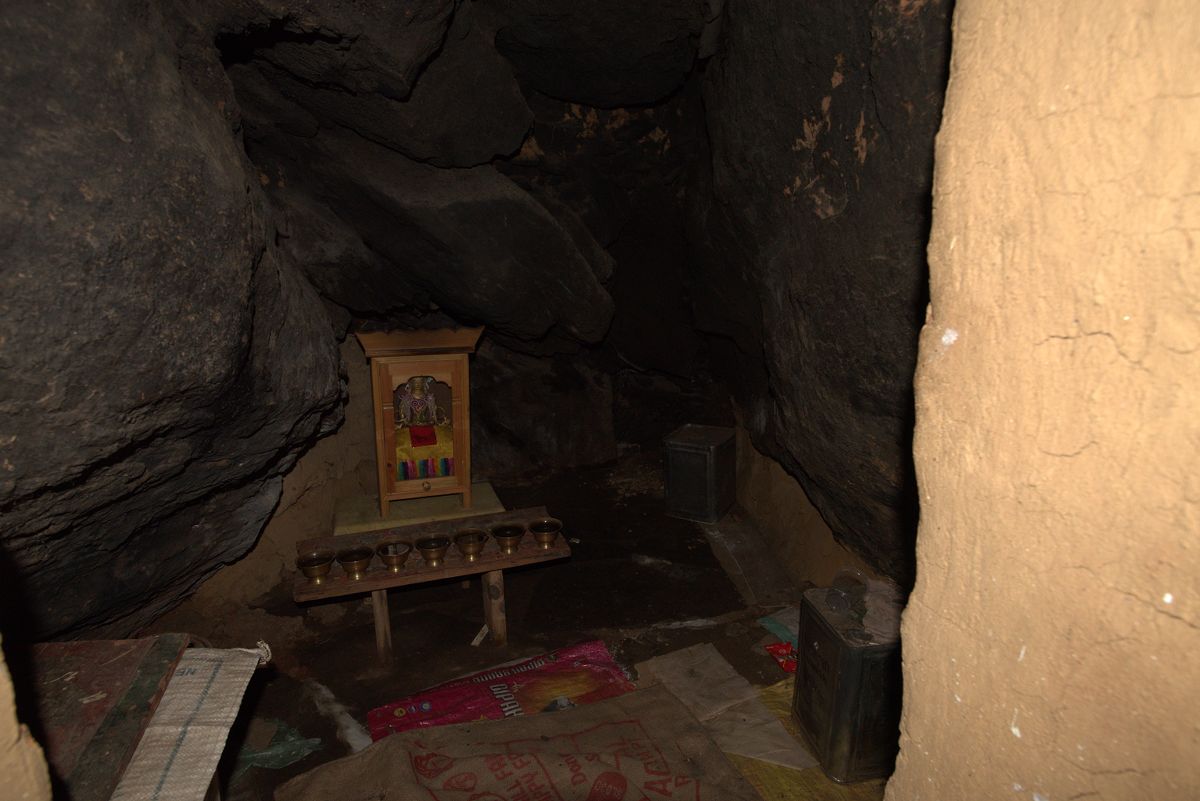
1052	643
23	773
792	526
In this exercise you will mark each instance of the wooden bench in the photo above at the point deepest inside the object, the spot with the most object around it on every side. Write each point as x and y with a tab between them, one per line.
378	579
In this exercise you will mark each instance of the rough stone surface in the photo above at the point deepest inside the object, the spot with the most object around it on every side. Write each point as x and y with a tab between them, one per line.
381	232
365	48
1052	642
799	540
336	260
530	412
601	54
162	364
465	109
809	230
337	466
622	174
480	246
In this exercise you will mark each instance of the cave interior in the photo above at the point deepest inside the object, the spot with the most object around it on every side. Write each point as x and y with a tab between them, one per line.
648	233
711	212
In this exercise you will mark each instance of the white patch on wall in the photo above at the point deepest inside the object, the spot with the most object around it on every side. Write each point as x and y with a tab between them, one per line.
1168	598
1013	727
1021	656
949	337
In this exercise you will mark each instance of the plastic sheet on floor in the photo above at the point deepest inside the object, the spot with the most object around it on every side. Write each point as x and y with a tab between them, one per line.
726	704
777	783
272	744
784	624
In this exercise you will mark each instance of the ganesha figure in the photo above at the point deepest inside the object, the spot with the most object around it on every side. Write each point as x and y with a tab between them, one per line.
415	404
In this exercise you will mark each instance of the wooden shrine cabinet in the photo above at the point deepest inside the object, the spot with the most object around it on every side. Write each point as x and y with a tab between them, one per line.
419	381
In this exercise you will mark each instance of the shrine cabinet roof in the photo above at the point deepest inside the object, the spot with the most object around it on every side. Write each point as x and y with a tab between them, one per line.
415	343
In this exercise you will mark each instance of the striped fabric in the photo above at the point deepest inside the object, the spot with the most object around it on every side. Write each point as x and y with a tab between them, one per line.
424	468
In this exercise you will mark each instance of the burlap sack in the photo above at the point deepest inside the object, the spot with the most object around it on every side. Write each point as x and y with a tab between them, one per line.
641	745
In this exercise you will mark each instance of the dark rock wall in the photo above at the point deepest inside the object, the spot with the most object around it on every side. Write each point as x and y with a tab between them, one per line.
809	225
201	198
622	174
162	363
599	54
401	182
537	412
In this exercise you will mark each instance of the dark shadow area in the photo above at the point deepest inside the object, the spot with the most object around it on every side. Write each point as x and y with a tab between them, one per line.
243	46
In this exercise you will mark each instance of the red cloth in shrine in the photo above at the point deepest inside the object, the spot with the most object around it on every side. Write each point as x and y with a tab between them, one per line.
422	436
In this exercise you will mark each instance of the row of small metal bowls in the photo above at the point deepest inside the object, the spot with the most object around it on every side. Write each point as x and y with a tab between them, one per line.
316	565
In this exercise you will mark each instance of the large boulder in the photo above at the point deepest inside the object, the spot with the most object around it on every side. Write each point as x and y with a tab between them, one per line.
389	207
478	245
621	174
364	48
464	110
533	412
162	365
809	225
337	262
602	54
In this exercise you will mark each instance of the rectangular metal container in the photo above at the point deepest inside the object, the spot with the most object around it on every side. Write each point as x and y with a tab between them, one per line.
700	479
848	682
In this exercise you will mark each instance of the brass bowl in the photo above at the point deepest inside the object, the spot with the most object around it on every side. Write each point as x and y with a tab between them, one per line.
394	554
315	565
545	531
354	561
470	542
508	537
433	550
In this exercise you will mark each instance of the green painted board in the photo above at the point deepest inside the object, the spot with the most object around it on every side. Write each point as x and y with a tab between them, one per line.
94	699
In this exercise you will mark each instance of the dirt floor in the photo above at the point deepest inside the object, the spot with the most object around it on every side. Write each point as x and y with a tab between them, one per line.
645	583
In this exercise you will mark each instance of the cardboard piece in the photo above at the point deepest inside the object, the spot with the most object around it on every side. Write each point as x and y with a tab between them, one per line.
727	705
643	744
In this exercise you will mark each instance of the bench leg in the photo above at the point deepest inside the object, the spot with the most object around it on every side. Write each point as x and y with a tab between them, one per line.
383	624
493	606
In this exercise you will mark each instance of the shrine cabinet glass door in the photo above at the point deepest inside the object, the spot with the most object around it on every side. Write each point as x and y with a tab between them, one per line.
422	431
